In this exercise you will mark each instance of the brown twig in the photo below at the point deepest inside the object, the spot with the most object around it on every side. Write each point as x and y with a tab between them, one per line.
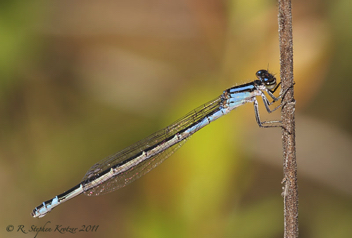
290	192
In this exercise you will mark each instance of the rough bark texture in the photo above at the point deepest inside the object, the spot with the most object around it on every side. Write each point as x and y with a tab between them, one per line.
290	188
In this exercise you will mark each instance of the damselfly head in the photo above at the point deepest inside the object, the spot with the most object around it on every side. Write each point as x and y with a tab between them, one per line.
266	78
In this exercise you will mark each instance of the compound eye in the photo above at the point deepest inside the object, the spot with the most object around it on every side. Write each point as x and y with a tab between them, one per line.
263	75
268	79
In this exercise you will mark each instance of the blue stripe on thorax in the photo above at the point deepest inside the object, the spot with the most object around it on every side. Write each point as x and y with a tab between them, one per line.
248	87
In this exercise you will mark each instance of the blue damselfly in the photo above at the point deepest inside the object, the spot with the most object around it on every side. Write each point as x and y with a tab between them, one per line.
124	167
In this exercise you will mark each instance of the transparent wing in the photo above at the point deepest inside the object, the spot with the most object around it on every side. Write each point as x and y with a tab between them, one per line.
133	173
144	167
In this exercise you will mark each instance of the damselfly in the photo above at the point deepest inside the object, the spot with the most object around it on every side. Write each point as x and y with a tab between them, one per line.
124	167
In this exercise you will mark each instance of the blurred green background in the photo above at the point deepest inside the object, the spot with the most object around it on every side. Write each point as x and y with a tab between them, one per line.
80	80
